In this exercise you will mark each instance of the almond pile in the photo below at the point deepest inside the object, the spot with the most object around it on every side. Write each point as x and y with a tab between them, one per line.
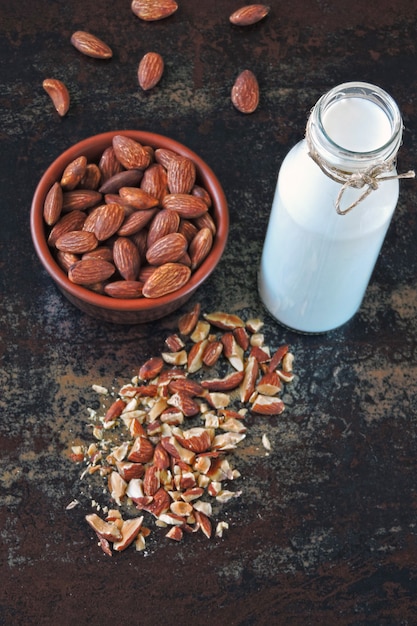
135	224
244	93
162	445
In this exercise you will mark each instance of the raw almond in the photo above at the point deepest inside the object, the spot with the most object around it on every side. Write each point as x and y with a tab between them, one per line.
109	165
53	204
66	259
124	289
90	271
245	92
102	252
135	222
188	229
200	192
126	258
169	248
206	221
166	279
164	222
108	219
200	246
58	93
153	10
91	178
71	221
77	242
73	173
126	178
164	156
80	200
130	153
154	181
138	198
90	45
181	175
186	205
150	70
249	14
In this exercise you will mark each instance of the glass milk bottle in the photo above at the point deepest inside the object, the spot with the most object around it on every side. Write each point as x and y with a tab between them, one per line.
336	193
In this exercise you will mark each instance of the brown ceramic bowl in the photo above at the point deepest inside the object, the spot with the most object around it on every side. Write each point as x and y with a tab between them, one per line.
137	310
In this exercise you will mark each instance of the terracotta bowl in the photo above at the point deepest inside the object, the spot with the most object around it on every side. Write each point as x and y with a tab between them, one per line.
134	310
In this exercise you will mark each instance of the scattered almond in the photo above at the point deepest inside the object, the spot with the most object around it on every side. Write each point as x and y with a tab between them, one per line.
90	45
249	14
150	70
153	10
245	92
58	93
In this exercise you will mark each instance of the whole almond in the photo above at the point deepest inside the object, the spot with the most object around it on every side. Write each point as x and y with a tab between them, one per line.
66	259
150	70
166	279
155	181
186	205
77	242
169	248
139	239
90	271
164	156
200	192
80	200
58	93
164	222
108	219
124	289
102	252
92	177
249	14
206	221
245	92
71	221
152	10
130	153
181	175
145	272
73	173
110	198
126	178
135	222
91	219
53	204
109	165
138	198
188	229
200	246
126	258
90	45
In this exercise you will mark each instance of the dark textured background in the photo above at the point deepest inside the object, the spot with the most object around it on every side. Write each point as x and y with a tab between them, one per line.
325	530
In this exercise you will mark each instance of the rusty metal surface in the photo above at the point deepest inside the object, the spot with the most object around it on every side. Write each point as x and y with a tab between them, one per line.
325	529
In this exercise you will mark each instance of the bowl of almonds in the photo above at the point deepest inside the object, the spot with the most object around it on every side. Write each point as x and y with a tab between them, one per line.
129	224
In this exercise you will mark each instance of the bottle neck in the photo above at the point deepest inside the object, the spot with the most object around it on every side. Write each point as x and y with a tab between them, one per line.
353	134
355	126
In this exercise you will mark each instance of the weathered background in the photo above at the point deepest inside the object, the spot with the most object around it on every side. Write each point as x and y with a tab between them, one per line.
325	530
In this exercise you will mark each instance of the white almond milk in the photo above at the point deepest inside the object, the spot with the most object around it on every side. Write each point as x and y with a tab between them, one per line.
316	264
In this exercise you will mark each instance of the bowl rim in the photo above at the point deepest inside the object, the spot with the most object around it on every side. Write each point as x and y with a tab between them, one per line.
94	143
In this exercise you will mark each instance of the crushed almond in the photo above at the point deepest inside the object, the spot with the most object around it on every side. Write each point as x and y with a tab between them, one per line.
162	444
